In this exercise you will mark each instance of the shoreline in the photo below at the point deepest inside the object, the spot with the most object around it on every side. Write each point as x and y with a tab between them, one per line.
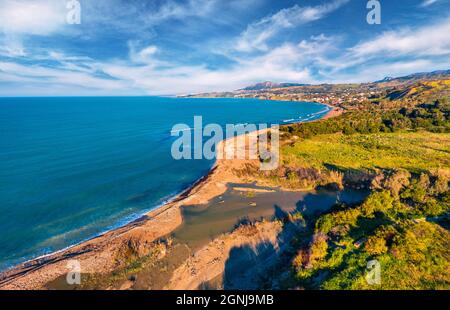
99	254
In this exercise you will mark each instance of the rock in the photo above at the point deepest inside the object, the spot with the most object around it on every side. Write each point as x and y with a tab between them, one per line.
126	285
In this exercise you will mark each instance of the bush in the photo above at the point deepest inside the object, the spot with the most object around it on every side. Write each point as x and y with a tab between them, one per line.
416	192
440	185
325	223
376	245
431	208
378	202
394	181
318	248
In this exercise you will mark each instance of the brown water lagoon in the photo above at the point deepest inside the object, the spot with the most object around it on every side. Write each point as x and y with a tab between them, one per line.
204	234
249	202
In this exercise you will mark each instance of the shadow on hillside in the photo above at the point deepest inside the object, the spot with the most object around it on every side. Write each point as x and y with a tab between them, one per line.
251	267
443	221
257	266
267	265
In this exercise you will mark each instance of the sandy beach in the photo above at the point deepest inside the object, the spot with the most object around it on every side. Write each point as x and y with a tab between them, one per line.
103	254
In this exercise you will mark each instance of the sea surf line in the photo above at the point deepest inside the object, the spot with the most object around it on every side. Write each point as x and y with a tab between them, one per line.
72	168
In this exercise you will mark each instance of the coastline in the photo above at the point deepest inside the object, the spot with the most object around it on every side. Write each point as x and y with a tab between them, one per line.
333	112
99	254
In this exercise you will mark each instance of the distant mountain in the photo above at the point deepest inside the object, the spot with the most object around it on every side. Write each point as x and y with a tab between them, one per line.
271	85
272	89
418	76
386	79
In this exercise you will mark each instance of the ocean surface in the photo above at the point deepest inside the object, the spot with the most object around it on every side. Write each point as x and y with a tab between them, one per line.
74	167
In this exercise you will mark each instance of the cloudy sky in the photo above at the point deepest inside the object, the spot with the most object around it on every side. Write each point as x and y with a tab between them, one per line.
155	47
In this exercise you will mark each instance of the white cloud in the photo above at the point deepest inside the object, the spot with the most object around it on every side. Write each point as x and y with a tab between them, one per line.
313	60
35	17
278	65
143	55
13	72
11	46
175	10
426	3
257	34
373	72
432	40
213	10
396	53
144	73
20	18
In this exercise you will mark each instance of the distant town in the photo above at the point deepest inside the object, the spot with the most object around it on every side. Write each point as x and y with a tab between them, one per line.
346	96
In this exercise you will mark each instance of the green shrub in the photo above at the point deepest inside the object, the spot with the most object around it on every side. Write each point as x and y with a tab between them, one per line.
375	245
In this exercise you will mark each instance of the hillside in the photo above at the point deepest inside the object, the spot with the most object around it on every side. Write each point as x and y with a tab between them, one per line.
416	87
270	85
390	146
422	91
423	76
396	146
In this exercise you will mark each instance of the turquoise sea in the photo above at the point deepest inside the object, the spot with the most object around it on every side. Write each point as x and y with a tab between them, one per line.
72	168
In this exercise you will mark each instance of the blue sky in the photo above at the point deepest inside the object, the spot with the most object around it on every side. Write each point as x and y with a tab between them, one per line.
154	47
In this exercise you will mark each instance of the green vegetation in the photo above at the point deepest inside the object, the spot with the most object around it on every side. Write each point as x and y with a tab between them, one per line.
358	160
434	117
413	250
398	147
129	264
358	146
395	143
418	151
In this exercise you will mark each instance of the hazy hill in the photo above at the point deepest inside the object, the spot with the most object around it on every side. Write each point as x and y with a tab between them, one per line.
421	87
270	85
422	91
440	74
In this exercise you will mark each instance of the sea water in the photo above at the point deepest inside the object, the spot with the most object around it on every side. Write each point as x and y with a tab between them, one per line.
74	167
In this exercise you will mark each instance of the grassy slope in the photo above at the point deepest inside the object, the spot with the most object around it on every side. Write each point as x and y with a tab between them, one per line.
414	151
407	232
404	222
419	258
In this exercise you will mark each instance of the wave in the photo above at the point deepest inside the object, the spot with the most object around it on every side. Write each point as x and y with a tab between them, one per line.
122	219
125	220
180	130
289	120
